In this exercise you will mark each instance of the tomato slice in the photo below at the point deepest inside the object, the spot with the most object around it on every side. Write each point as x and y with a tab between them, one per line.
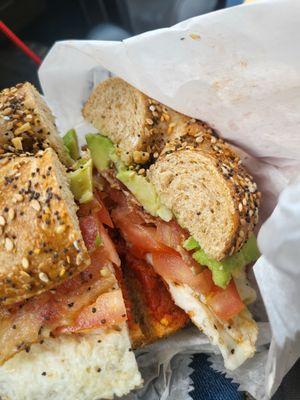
89	208
171	266
139	236
170	234
109	246
103	213
226	303
91	227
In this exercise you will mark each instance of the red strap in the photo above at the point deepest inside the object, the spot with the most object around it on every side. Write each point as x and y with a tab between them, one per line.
18	42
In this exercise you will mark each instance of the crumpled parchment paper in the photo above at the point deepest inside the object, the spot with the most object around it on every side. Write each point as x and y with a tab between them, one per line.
238	70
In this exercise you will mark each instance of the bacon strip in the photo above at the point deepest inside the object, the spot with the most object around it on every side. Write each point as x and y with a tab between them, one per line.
87	301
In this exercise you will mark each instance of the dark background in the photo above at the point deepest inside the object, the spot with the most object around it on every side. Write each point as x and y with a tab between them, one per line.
39	23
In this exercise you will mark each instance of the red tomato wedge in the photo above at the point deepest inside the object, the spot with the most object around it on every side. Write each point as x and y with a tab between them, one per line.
89	208
170	234
91	227
96	207
103	213
108	310
109	246
226	303
124	215
171	266
139	236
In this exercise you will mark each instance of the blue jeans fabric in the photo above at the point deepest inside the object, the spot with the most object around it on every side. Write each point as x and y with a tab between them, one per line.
210	385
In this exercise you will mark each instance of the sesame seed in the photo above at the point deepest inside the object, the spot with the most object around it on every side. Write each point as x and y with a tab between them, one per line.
244	202
149	121
62	272
75	244
25	263
104	272
9	245
240	207
171	127
28	118
213	139
17	142
152	108
78	259
11	214
2	221
7	111
23	128
43	277
35	205
199	139
17	197
60	229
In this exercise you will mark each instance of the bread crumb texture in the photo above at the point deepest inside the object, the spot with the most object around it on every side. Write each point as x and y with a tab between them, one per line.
89	367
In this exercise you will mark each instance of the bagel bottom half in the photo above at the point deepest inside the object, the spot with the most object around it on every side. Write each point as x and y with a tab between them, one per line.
85	367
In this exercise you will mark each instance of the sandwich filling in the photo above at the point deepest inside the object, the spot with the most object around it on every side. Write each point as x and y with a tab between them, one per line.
104	153
88	301
204	288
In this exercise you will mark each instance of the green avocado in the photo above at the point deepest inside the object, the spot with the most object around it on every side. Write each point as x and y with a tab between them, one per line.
101	149
190	244
81	182
103	152
222	270
71	144
145	193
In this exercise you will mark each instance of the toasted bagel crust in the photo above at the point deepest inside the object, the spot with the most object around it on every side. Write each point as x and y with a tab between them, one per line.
26	122
40	240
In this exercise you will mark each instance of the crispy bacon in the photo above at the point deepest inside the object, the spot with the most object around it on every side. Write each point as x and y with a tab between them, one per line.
90	300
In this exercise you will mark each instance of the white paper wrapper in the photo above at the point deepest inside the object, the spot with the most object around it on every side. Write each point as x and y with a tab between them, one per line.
237	69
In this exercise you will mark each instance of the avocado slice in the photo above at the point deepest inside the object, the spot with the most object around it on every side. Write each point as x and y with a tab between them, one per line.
71	144
101	149
190	244
81	182
103	152
222	270
145	193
